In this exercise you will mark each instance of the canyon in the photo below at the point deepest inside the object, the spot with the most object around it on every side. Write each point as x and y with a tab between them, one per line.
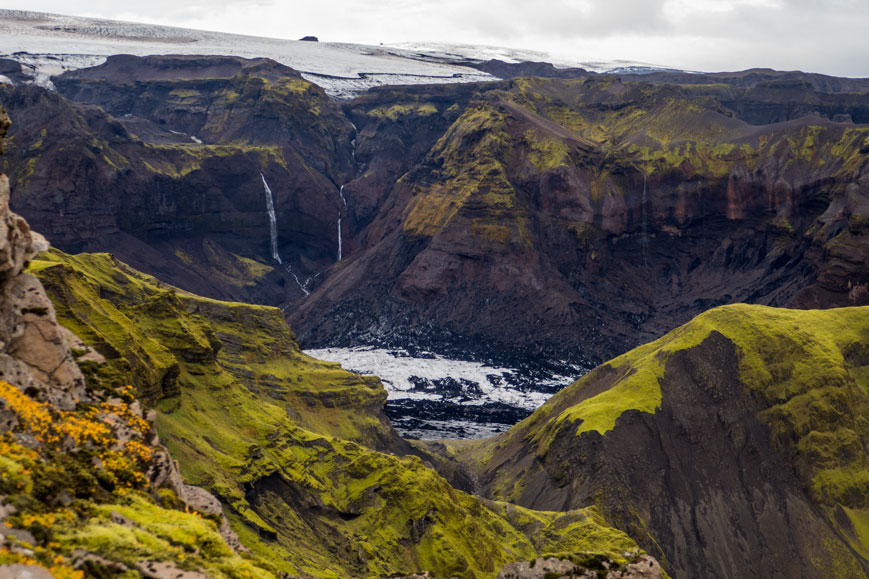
648	292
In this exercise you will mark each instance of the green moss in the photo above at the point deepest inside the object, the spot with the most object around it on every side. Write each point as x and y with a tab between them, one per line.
80	487
184	93
230	269
583	530
266	428
397	111
788	356
546	153
473	171
149	532
859	519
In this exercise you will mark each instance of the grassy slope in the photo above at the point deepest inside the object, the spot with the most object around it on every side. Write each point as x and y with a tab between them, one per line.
76	486
808	369
281	438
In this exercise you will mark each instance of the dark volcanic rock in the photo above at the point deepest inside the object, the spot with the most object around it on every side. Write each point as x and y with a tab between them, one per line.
508	70
596	244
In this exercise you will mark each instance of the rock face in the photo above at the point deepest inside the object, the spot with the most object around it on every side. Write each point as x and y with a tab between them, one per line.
34	355
722	444
59	436
169	171
600	211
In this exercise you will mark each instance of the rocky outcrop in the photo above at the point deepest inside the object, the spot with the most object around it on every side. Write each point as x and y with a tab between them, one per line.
642	567
508	70
34	355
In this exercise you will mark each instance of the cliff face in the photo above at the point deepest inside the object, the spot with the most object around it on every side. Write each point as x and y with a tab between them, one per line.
599	211
734	446
169	172
85	486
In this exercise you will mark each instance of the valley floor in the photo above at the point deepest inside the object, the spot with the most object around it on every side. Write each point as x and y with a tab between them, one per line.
435	397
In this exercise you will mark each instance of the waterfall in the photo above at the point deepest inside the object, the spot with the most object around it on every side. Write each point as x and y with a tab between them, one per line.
353	142
302	286
339	237
273	223
340	244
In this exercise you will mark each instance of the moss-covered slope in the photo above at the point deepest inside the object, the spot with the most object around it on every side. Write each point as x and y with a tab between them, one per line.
167	342
76	499
286	442
747	418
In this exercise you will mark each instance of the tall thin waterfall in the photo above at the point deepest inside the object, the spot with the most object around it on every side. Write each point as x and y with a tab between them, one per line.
273	223
341	193
340	248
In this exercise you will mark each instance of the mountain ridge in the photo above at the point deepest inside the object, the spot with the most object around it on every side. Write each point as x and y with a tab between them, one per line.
675	182
746	417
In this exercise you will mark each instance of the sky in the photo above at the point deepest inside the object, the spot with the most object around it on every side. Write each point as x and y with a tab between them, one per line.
827	36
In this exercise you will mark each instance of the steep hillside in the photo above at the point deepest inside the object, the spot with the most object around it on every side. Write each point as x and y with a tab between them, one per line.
599	211
167	342
86	489
295	449
171	170
734	446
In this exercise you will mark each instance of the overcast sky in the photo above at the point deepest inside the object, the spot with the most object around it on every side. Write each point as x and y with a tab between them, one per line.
827	36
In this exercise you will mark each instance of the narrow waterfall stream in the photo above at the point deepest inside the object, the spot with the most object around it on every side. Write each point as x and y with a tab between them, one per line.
273	223
340	244
302	286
